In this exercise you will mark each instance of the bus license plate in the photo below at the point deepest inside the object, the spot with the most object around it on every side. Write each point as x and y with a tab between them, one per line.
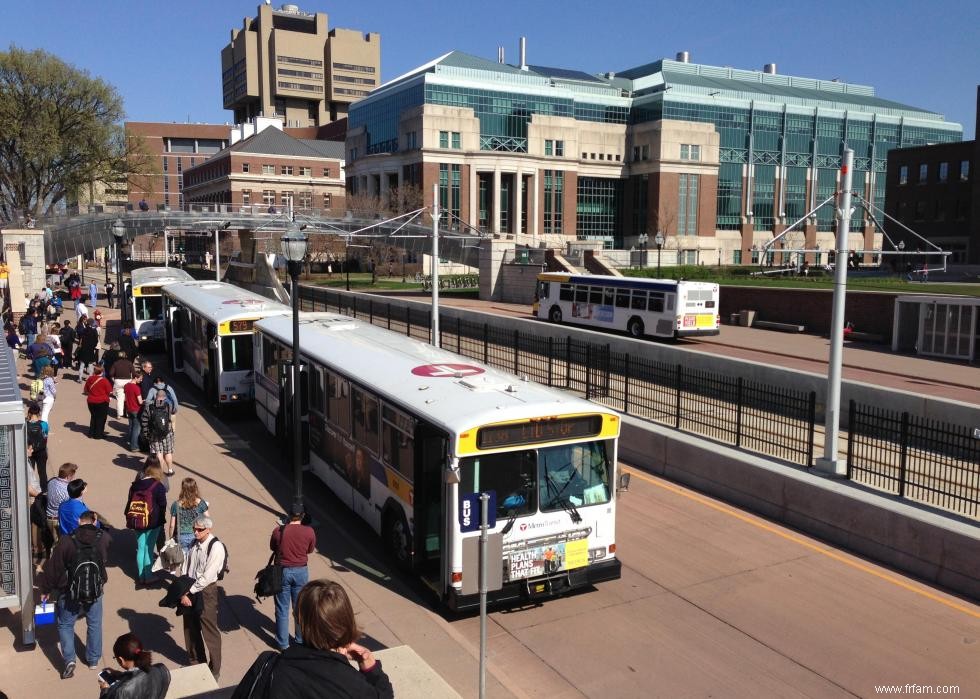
706	320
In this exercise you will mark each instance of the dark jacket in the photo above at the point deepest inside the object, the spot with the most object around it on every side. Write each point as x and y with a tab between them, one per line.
55	573
306	673
136	684
158	494
88	350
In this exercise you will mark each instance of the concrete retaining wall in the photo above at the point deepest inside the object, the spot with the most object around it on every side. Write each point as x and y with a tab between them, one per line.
941	549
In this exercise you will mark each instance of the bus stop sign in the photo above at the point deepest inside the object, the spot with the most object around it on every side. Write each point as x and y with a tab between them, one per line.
469	511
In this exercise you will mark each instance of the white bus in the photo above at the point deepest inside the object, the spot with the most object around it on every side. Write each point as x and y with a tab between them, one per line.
407	435
639	306
145	300
209	328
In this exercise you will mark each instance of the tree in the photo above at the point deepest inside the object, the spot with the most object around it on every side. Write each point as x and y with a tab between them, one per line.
59	131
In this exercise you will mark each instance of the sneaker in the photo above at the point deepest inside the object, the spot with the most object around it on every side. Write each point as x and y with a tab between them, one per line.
69	670
171	472
93	667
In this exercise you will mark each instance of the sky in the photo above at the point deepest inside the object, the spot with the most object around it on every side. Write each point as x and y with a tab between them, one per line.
164	58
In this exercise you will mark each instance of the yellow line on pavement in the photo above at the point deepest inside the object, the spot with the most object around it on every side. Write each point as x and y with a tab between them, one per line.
806	544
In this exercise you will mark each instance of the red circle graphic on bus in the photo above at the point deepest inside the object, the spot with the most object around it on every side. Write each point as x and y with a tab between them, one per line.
447	371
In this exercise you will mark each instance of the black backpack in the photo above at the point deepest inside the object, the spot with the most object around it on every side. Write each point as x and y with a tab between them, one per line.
224	566
86	572
35	436
159	421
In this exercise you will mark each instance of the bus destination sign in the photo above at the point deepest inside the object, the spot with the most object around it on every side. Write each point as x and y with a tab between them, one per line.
241	326
146	291
536	431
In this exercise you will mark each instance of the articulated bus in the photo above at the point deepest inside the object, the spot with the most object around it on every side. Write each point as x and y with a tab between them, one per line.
656	307
408	435
209	327
145	300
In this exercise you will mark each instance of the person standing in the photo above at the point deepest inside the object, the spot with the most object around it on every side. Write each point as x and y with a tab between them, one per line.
293	542
49	393
121	374
184	512
57	351
146	508
156	421
81	311
57	491
98	390
93	294
67	336
37	443
133	403
109	289
127	343
88	350
30	327
71	509
76	572
99	329
203	564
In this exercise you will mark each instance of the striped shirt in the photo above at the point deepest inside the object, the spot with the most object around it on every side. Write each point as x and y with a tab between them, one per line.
57	494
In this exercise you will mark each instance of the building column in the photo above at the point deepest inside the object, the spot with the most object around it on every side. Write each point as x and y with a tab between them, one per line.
810	239
495	221
518	203
473	218
534	212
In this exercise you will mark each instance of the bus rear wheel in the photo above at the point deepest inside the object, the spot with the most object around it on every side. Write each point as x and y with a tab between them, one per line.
397	540
635	327
554	315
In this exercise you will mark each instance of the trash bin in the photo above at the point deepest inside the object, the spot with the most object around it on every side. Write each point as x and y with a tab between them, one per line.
746	318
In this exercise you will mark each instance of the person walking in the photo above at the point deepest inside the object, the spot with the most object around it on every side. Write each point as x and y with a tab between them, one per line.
67	336
39	352
76	572
37	443
57	351
127	343
71	509
87	354
140	677
93	294
49	392
293	542
321	665
109	289
57	492
146	508
184	511
81	310
99	328
204	564
156	421
30	327
121	374
98	391
133	403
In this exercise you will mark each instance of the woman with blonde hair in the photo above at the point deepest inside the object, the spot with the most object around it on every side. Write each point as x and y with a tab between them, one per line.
183	511
320	666
145	511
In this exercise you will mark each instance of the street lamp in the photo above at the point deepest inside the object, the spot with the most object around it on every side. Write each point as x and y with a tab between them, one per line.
119	232
642	241
294	245
659	242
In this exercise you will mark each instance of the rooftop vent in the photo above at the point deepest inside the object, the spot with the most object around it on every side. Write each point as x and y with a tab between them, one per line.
769	69
683	57
523	53
290	8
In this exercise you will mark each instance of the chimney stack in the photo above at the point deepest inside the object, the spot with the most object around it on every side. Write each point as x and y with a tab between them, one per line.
683	57
500	54
523	53
769	69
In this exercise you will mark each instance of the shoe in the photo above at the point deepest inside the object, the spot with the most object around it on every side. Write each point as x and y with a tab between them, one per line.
93	667
171	472
69	671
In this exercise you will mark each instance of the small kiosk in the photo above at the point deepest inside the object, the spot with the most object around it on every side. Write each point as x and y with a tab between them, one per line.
937	326
16	568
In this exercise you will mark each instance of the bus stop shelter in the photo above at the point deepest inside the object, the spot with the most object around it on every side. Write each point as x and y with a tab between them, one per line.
937	326
16	569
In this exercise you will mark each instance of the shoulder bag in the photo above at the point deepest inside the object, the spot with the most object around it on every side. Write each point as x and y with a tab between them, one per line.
268	581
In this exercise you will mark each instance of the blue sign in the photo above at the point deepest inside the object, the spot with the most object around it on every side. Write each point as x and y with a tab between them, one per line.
469	511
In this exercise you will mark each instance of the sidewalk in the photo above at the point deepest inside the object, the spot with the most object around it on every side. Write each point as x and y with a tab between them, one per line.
241	475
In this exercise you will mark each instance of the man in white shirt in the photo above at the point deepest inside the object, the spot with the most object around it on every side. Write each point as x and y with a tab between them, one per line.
80	310
204	563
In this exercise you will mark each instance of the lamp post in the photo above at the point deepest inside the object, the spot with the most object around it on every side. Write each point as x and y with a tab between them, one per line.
119	232
641	240
347	261
404	255
659	242
901	248
294	246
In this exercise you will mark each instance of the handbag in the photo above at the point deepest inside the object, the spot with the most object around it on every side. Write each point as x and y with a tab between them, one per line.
172	555
268	581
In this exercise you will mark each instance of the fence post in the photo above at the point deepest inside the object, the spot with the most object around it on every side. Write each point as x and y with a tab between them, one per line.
903	459
408	321
486	343
551	359
588	370
568	362
738	412
626	384
459	333
851	424
517	355
389	315
677	407
812	417
371	312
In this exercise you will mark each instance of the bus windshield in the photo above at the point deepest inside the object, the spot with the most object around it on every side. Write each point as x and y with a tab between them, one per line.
148	307
557	477
236	352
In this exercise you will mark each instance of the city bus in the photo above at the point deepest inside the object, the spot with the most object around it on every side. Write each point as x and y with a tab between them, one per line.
636	305
145	300
209	328
407	435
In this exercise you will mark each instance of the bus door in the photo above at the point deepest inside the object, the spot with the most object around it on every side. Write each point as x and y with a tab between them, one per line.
211	379
174	333
284	420
431	449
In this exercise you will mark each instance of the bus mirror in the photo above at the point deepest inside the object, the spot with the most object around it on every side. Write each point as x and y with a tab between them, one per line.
452	476
624	482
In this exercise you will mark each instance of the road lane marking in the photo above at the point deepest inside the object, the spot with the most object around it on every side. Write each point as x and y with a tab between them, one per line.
803	542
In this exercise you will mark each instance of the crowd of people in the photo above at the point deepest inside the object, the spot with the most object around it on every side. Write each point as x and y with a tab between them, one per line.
172	542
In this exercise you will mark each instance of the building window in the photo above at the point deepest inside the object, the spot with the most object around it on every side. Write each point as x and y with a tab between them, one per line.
690	151
269	197
903	174
736	257
244	167
306	172
456	140
287	169
585	156
411	140
166	165
280	107
246	197
920	210
326	201
326	172
554	184
644	152
444	139
549	147
286	199
964	170
923	173
306	200
602	156
943	172
687	205
268	169
560	149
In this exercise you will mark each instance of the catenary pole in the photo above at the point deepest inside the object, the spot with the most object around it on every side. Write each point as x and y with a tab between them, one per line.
435	265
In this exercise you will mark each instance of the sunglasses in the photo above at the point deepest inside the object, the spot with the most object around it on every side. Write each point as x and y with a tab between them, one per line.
200	529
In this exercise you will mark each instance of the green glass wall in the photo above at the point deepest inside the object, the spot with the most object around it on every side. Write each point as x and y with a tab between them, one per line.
598	208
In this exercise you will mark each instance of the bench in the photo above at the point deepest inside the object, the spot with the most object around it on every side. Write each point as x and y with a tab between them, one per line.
781	327
854	336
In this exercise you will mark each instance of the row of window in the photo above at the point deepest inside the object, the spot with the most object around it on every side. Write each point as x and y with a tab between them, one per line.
939	209
268	169
355	81
300	61
302	87
288	72
942	172
636	299
690	151
444	139
345	91
556	148
303	200
601	156
354	67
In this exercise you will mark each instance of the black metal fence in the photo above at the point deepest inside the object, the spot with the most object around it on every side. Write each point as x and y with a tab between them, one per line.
915	458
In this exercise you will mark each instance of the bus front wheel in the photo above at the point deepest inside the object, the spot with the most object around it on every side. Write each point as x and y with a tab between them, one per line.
635	327
554	315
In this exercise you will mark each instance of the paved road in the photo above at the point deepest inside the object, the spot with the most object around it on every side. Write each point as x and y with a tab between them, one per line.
713	602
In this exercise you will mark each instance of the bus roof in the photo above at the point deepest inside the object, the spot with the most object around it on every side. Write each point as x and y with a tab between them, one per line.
620	282
453	392
220	301
157	276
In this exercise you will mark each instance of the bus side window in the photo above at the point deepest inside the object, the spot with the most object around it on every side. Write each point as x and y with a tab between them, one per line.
670	301
656	303
607	296
639	301
595	295
565	293
582	294
622	298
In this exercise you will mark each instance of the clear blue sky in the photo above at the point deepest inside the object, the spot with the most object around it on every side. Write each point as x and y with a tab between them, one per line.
164	57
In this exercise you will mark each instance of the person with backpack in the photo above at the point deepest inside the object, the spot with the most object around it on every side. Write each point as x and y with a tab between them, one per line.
37	442
293	542
206	564
156	421
146	508
76	572
39	352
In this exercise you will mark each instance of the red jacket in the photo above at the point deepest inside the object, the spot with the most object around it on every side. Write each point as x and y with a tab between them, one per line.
98	389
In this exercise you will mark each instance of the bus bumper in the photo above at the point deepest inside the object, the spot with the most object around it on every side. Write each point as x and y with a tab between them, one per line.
542	587
696	332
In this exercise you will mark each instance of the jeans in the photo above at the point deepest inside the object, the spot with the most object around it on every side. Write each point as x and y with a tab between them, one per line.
134	431
67	613
98	413
146	540
293	580
46	406
119	391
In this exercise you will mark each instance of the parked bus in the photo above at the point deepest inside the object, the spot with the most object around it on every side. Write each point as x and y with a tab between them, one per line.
145	300
639	306
407	435
209	328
